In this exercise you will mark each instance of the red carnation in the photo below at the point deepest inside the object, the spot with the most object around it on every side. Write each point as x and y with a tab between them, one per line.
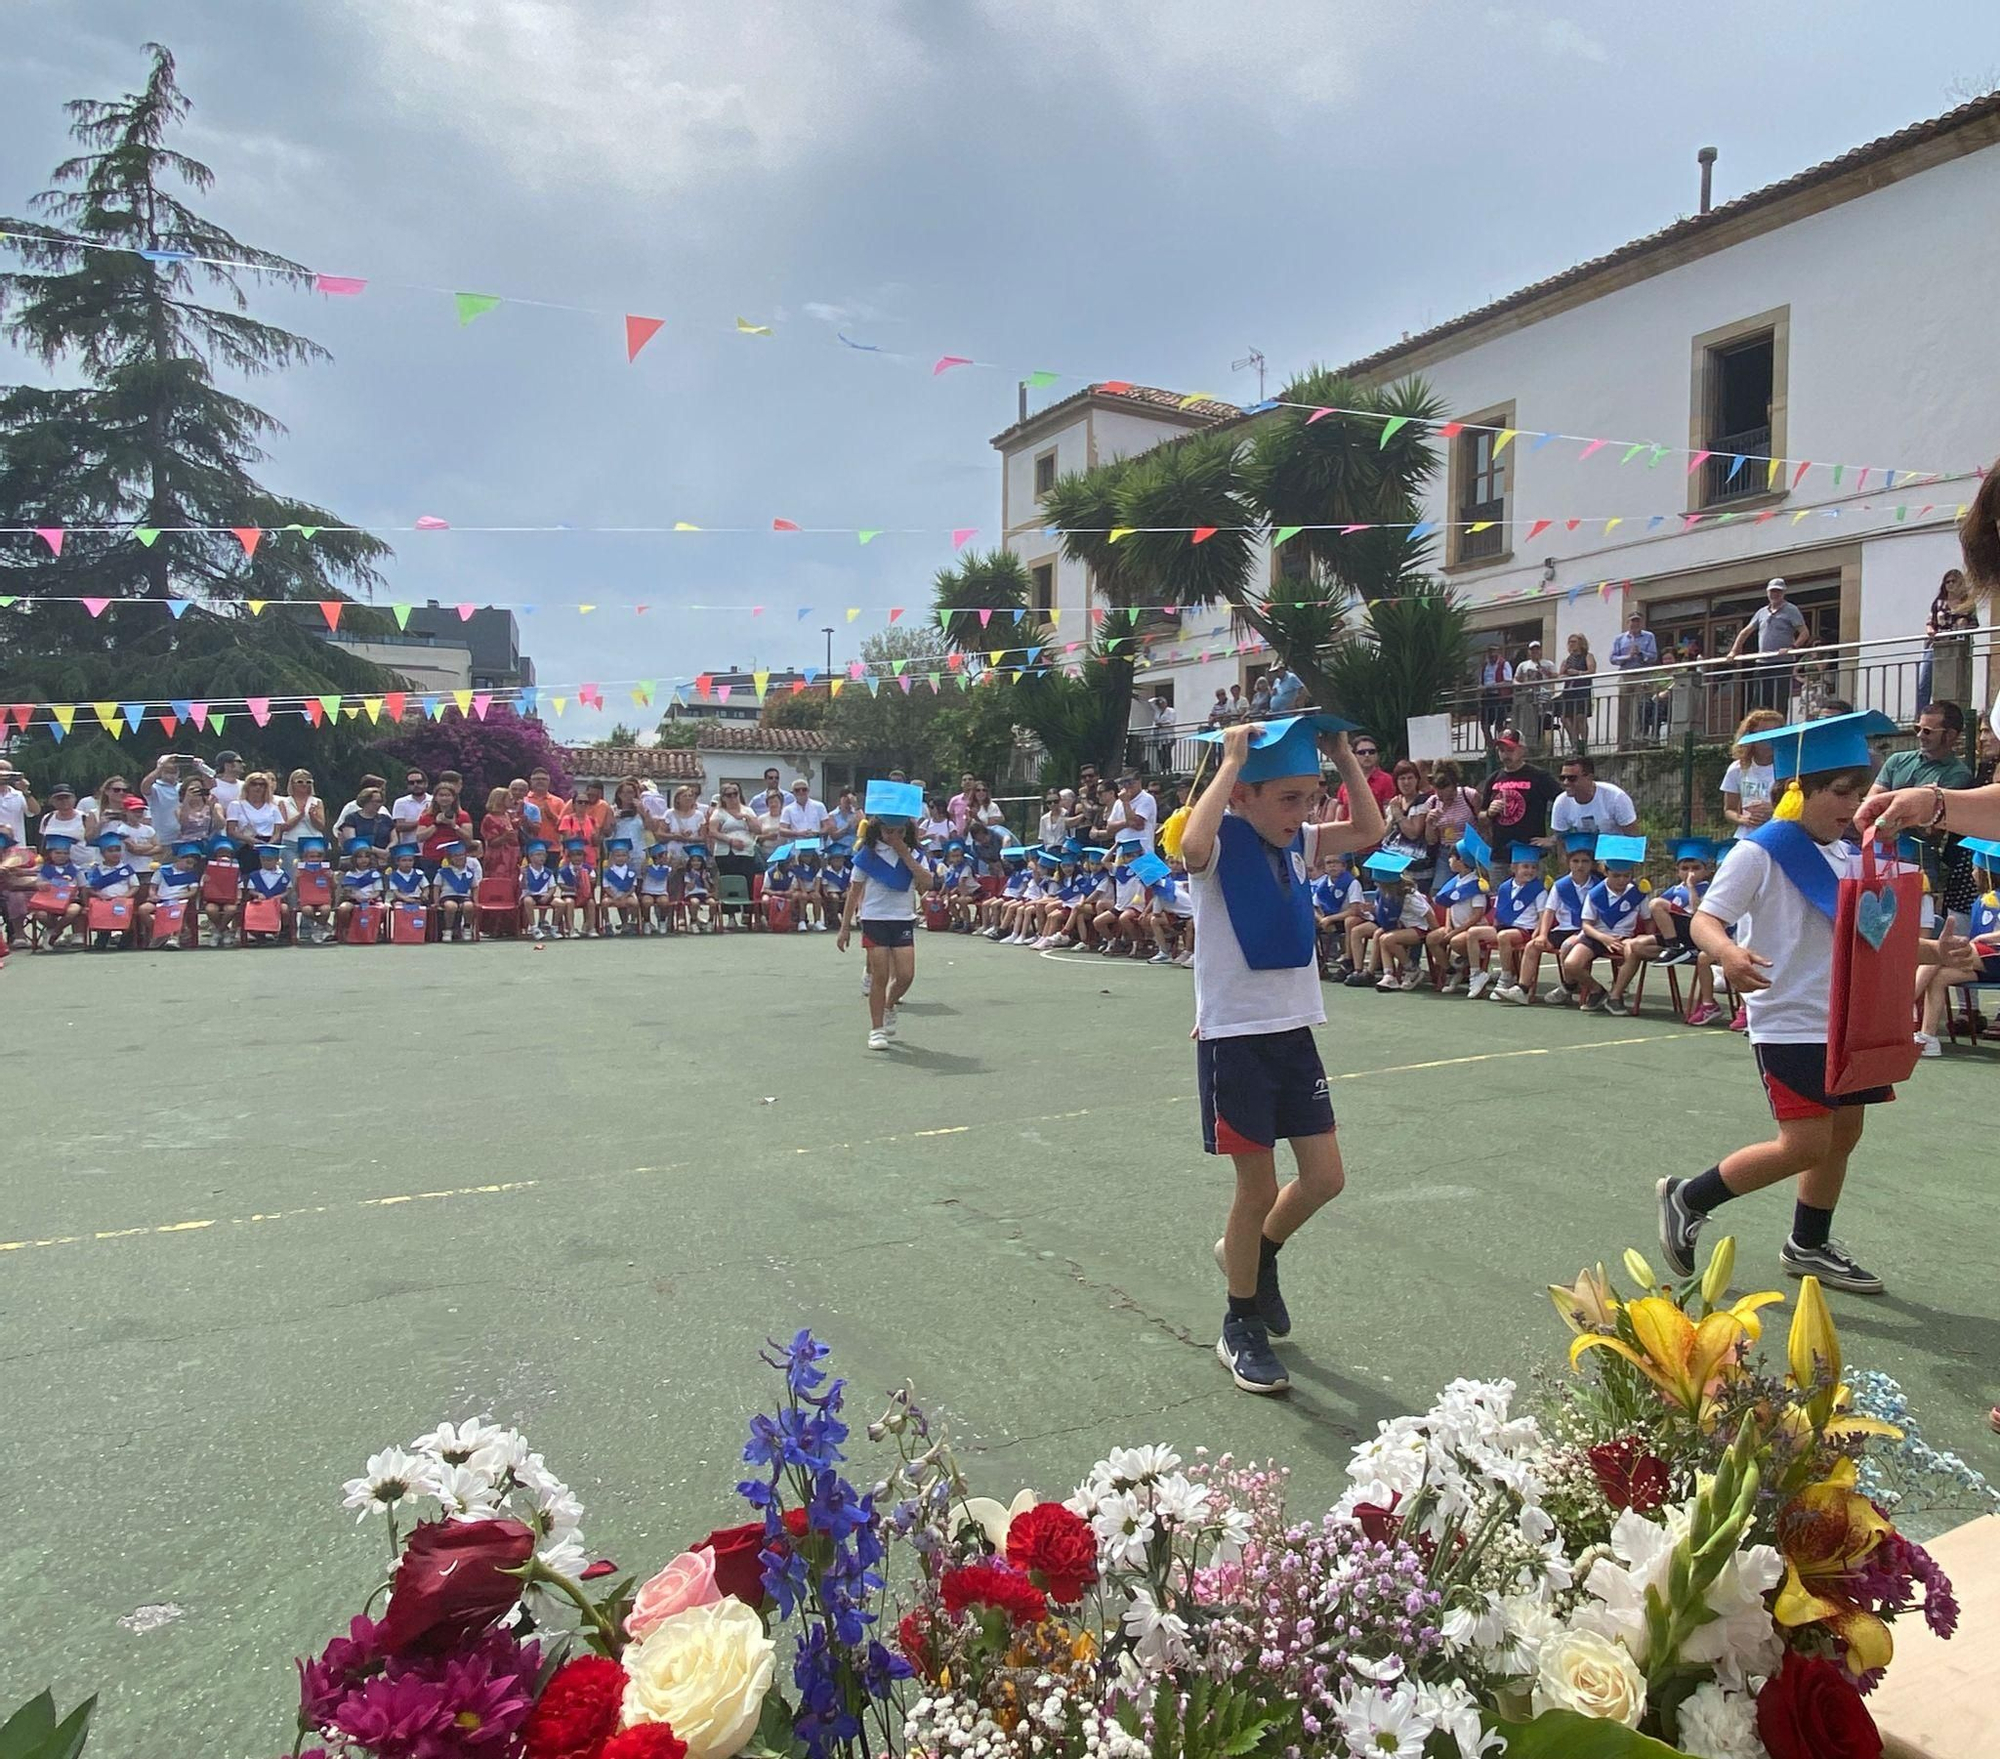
1056	1547
797	1524
1810	1709
992	1584
645	1740
739	1569
578	1711
451	1584
913	1638
1630	1477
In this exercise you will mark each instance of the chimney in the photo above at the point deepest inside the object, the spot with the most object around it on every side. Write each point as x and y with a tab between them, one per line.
1021	387
1707	157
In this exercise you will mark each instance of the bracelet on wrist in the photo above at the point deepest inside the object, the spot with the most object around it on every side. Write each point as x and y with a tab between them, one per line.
1938	807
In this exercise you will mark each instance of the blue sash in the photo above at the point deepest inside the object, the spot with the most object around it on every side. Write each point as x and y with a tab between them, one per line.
892	874
100	877
619	881
535	880
1798	858
457	881
1611	910
410	884
1272	917
267	885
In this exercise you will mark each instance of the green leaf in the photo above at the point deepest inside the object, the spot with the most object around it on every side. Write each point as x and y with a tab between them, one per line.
774	1738
25	1731
1563	1734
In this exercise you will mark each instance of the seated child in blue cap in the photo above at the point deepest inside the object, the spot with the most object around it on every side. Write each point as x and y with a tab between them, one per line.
1014	881
811	898
1672	915
1514	921
360	884
1338	903
656	891
268	884
222	892
1936	982
618	882
835	876
1118	930
177	883
1780	887
539	896
697	893
1021	909
312	892
576	897
1047	899
1170	916
1404	915
55	908
1462	898
110	875
1613	928
952	875
453	892
1251	855
1089	890
1562	916
778	892
1387	873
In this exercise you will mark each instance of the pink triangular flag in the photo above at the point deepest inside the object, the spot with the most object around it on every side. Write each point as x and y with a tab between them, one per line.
431	522
722	692
94	606
259	707
346	285
961	535
945	362
1202	533
481	702
198	713
465	613
783	525
905	682
895	612
52	535
638	332
1317	415
985	617
856	670
330	610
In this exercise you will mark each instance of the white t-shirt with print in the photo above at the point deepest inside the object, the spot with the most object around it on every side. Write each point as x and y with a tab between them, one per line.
1609	809
1751	783
1774	920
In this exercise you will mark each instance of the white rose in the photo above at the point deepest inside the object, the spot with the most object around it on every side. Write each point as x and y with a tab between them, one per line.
1591	1675
706	1671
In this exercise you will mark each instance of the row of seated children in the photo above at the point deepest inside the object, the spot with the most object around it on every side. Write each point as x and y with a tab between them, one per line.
1598	910
1119	902
1936	982
805	885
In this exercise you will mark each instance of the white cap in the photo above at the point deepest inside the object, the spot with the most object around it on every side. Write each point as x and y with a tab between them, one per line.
1774	586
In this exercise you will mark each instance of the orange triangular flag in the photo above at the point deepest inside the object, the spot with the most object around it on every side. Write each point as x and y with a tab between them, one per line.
330	610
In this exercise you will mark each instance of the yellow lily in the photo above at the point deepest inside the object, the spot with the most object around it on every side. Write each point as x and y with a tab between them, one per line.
1744	1308
1681	1357
1721	1266
1588	1304
1813	1351
1825	1534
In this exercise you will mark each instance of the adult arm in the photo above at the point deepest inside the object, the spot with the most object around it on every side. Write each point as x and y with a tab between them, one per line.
1971	812
1742	640
1363	826
1622	826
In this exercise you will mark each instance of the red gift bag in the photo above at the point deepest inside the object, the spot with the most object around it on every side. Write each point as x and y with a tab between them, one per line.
1868	1040
937	913
315	887
407	923
110	914
364	927
168	916
780	911
221	881
262	916
52	897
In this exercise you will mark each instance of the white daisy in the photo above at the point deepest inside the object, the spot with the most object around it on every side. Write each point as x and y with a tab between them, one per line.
465	1495
558	1513
1374	1722
503	1452
1159	1638
1232	1536
1124	1530
456	1443
1143	1464
1179	1502
388	1478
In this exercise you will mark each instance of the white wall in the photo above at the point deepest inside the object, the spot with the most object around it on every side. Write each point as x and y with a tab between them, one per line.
746	768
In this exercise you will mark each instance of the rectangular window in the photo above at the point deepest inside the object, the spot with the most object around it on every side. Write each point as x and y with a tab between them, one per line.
1045	472
1738	409
1482	503
1042	588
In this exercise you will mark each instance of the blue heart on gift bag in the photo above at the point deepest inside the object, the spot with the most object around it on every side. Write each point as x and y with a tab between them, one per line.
1875	915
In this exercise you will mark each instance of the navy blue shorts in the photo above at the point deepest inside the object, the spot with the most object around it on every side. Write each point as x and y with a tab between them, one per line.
1260	1088
886	933
1795	1082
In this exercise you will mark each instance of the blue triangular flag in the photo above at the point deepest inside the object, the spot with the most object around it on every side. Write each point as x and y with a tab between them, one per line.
812	674
177	608
805	611
528	699
155	255
134	713
1423	528
1034	653
1735	464
56	730
1891	483
430	708
1541	440
1658	520
525	610
183	708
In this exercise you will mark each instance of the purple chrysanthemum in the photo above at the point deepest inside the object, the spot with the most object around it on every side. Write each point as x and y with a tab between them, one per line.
468	1704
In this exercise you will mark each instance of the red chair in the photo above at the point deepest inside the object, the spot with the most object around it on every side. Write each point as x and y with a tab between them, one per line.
497	900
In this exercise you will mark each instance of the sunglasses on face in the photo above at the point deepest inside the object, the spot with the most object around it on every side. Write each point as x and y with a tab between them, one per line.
1364	751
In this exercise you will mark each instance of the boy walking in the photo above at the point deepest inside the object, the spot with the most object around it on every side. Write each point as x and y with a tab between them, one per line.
1251	857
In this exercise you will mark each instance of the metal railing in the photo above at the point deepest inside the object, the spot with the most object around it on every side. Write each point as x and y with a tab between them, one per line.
1723	479
1477	546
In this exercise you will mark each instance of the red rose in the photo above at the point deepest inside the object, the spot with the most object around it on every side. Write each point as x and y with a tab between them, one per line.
993	1584
1630	1477
738	1568
578	1711
645	1740
1057	1547
1810	1709
449	1584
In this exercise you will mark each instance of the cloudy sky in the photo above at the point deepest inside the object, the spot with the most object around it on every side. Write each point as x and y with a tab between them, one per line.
1108	188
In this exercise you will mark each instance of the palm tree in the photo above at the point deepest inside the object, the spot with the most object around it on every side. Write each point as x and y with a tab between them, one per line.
1406	659
995	583
1086	507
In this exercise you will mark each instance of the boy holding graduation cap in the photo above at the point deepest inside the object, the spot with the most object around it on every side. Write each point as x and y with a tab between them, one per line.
1780	884
1251	856
890	878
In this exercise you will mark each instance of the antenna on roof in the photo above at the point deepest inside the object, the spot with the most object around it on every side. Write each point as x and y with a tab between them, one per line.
1253	358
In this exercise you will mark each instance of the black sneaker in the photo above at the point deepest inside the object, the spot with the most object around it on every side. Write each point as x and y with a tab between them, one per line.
1677	955
1680	1227
1358	980
1831	1264
1271	1308
1245	1350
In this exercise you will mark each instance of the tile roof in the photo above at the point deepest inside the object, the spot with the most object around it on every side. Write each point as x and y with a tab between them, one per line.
723	736
1151	398
664	763
1980	110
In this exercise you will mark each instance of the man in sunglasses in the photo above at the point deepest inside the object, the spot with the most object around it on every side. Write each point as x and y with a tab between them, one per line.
1590	805
1380	783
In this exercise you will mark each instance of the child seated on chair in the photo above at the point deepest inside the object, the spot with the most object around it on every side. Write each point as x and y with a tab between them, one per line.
576	895
58	876
1338	903
697	903
656	891
1671	913
266	884
1936	982
312	892
539	895
177	883
110	875
453	892
835	876
618	883
360	884
1612	912
1463	900
1515	920
995	911
1397	920
222	891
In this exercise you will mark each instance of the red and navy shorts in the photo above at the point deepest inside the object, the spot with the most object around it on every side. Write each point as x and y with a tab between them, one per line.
1795	1082
883	932
1260	1088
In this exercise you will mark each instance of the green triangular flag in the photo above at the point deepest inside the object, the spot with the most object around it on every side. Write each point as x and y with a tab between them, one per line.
1287	531
474	305
1040	381
307	531
148	535
865	535
7	603
402	615
331	704
215	723
1838	470
1390	426
1632	452
900	664
1659	452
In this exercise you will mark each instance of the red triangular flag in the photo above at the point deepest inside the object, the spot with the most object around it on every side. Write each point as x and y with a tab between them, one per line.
1571	524
896	612
392	704
314	713
330	610
168	724
1536	530
1115	387
784	525
23	713
1451	430
701	683
1202	533
638	332
798	684
249	536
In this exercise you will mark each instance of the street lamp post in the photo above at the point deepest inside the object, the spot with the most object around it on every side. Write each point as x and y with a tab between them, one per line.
827	631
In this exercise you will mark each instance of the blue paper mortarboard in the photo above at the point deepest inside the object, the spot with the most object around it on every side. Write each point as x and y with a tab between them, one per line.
1525	852
194	847
1149	870
221	846
1010	852
535	846
1387	863
1049	857
459	848
781	853
1837	743
270	849
1693	849
568	843
1473	849
893	800
1986	852
109	835
1130	845
624	843
695	849
406	849
1621	854
354	845
806	846
1575	840
1288	747
54	839
1095	854
312	842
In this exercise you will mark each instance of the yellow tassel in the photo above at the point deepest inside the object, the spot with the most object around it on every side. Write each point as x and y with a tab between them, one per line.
1170	832
1792	806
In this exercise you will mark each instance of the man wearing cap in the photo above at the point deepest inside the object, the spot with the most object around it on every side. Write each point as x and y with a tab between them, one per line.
161	786
1528	675
1516	799
1250	854
1590	805
1778	628
1634	649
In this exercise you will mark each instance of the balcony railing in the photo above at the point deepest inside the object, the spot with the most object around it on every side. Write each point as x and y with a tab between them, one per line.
1723	479
1479	546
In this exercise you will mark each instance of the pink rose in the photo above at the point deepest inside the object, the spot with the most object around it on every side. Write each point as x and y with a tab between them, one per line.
688	1581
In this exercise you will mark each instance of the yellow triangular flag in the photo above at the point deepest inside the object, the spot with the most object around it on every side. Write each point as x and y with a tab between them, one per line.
1503	440
257	605
763	682
585	610
64	712
1800	514
853	611
833	686
1771	473
993	657
350	711
750	329
1118	531
107	716
464	700
1055	618
1481	525
562	702
682	525
1609	524
373	704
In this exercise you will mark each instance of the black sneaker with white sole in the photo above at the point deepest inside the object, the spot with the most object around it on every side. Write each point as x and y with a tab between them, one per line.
1245	1350
1680	1227
1831	1264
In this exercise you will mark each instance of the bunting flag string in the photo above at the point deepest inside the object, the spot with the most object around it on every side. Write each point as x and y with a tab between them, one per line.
636	331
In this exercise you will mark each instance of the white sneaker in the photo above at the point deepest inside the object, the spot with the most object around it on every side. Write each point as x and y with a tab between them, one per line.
1388	981
1161	958
1513	992
821	928
878	1041
1186	959
1060	941
1928	1046
538	933
1409	980
888	1022
1477	987
1557	997
1454	985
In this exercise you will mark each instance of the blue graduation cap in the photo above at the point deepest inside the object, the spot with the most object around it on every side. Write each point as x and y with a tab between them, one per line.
1130	845
56	840
270	849
459	848
656	848
1049	857
1473	849
1837	743
806	846
893	800
221	846
354	845
1693	849
694	849
1008	852
313	843
1095	854
193	846
1525	852
1986	852
1287	747
110	837
622	844
534	846
568	843
1387	864
1149	870
1910	849
405	849
1621	854
781	853
1575	840
955	846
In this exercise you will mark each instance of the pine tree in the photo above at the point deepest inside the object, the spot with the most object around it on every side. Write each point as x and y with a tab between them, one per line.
150	441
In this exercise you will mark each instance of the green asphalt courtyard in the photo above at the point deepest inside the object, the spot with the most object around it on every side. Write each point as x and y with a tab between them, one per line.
266	1212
